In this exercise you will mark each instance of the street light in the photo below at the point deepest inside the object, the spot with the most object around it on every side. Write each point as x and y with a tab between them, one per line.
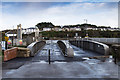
76	35
86	26
85	20
13	36
37	34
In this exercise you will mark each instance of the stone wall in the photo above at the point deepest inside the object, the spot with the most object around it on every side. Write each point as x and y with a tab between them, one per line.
10	54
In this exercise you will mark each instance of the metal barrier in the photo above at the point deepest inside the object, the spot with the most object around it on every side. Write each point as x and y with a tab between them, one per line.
66	49
62	47
35	47
115	51
107	40
91	45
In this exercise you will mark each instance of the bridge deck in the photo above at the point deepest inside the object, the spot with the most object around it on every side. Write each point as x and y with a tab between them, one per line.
38	67
56	54
54	51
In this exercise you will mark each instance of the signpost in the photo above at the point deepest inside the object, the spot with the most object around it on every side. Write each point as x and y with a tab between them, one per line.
6	40
87	36
76	35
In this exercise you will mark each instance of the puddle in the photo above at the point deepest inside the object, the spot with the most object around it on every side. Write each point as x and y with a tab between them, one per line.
59	62
57	53
44	49
92	61
10	72
43	62
109	60
86	58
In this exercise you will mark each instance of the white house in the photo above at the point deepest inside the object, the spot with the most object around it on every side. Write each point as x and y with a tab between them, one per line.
28	30
47	29
75	29
57	29
11	34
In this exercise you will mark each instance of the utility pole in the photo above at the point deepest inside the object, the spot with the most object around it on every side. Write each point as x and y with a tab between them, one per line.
13	36
86	33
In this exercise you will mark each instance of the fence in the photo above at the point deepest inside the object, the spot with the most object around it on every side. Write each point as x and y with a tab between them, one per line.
107	40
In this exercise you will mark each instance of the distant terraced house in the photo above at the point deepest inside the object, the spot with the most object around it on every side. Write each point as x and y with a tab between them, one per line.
57	28
71	28
28	30
48	26
11	34
47	29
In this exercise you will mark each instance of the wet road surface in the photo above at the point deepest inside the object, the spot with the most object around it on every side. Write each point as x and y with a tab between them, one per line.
56	54
86	69
77	67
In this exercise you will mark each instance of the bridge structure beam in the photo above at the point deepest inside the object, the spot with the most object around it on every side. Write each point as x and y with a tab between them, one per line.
66	49
92	46
35	47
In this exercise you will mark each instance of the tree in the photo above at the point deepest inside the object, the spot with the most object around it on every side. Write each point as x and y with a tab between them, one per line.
45	25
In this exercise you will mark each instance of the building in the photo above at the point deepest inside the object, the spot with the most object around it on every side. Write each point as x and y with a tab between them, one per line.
28	30
47	29
57	28
0	41
0	36
11	34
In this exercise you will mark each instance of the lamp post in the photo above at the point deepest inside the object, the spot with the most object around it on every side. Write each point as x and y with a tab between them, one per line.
76	35
67	42
36	34
13	36
86	21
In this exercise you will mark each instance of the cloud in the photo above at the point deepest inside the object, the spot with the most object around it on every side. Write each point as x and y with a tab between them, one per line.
60	0
119	14
30	14
96	13
0	15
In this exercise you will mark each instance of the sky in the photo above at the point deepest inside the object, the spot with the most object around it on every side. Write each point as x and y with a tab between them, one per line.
60	0
28	14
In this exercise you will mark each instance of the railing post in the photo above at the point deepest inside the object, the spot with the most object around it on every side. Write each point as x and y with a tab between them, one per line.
49	56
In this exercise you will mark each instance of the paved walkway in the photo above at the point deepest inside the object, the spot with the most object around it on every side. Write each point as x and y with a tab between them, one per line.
56	54
61	67
85	69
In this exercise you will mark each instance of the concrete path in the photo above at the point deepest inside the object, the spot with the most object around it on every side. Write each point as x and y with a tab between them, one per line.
56	54
85	69
61	67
